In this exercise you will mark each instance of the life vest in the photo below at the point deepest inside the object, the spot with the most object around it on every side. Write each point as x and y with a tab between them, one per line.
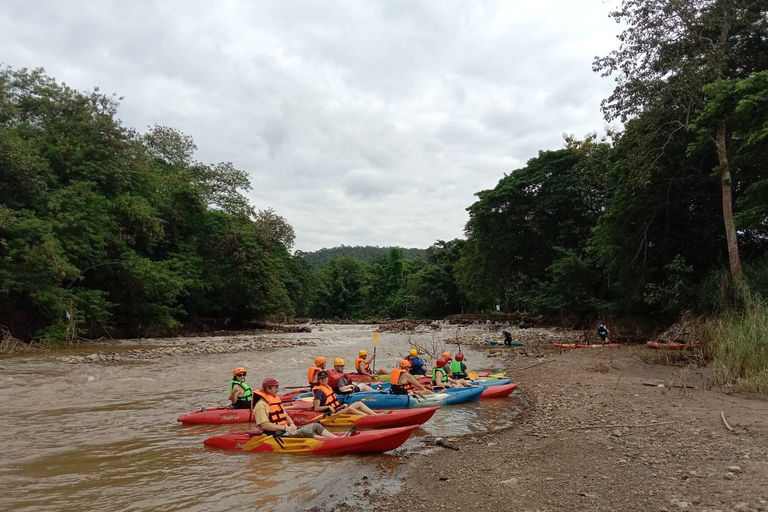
333	378
330	397
362	366
276	412
417	366
457	370
246	396
394	379
443	379
602	329
313	370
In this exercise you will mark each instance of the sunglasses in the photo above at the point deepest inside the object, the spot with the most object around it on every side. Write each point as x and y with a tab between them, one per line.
241	375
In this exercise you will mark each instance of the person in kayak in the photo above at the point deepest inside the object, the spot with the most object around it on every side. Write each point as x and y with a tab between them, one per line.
240	393
448	368
314	370
338	380
272	418
458	369
440	378
403	383
602	331
363	365
327	402
417	365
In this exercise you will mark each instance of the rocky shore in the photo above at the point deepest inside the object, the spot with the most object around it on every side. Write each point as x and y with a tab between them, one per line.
597	436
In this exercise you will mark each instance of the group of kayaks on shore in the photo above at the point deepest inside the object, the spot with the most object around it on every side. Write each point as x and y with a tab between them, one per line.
296	422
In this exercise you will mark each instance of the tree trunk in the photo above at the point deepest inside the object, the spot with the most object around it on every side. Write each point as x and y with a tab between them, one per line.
730	227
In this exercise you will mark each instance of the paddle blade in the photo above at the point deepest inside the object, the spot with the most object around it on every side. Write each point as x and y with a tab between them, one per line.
254	442
472	374
375	339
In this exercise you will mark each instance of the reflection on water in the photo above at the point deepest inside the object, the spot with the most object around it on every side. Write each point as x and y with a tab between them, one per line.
105	437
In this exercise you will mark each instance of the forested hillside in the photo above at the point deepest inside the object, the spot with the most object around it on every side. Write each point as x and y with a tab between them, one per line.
365	253
105	230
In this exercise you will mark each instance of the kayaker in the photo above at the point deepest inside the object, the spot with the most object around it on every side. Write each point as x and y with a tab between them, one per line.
403	383
363	365
326	400
458	368
240	393
272	418
507	337
440	378
417	365
314	370
338	380
602	331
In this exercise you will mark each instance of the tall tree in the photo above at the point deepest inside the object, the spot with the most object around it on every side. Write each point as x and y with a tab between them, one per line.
670	50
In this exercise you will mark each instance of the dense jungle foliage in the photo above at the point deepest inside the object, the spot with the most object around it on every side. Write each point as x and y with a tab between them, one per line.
107	230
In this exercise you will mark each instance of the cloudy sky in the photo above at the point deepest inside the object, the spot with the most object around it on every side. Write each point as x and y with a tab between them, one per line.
361	122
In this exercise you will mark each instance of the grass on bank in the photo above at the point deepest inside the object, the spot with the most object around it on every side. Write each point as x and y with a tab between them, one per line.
737	342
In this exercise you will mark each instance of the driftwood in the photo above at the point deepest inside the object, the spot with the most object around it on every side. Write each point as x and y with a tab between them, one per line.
725	422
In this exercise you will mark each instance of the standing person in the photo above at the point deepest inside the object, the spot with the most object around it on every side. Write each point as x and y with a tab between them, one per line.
326	400
363	365
403	383
240	393
507	337
272	418
314	370
339	382
602	331
417	365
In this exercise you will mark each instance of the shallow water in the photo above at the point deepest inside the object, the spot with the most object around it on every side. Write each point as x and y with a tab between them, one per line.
105	436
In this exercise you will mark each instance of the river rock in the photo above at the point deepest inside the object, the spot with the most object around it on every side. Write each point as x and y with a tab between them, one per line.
734	469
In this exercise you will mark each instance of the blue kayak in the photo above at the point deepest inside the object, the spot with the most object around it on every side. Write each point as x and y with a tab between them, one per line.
485	383
463	395
383	400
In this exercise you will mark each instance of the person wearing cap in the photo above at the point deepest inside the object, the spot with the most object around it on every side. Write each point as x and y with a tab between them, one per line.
272	418
417	365
314	370
327	402
240	393
339	382
363	365
403	383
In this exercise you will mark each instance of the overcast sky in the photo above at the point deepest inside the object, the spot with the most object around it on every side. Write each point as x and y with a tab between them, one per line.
361	122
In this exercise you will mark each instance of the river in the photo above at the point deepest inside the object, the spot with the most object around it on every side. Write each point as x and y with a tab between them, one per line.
105	436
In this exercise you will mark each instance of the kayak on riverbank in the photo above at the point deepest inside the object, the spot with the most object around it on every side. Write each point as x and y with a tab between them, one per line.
369	441
579	345
514	343
499	391
303	416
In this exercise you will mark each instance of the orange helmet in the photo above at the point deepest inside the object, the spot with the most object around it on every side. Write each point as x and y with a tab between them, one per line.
405	363
446	355
441	362
319	360
459	356
237	370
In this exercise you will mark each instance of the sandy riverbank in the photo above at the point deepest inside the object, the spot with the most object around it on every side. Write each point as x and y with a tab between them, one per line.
554	458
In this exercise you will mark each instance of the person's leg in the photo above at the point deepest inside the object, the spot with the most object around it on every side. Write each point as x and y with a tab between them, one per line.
364	387
361	408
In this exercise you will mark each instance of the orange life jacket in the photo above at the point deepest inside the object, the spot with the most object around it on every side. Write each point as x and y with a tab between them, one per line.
330	397
362	366
312	375
394	381
276	412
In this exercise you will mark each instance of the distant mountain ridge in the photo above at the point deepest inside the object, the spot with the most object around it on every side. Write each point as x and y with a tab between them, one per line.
366	253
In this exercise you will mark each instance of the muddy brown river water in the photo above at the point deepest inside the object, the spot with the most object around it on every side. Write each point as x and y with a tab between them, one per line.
105	437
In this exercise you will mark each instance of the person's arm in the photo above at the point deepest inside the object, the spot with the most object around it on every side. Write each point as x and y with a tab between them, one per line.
237	392
319	396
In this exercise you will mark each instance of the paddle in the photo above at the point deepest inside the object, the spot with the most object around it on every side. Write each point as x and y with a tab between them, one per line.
472	374
375	342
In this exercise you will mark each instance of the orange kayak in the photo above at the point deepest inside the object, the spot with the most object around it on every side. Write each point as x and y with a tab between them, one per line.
368	441
672	345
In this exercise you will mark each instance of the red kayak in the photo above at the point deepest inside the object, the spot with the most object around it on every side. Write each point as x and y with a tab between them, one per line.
672	345
499	391
303	414
368	441
385	419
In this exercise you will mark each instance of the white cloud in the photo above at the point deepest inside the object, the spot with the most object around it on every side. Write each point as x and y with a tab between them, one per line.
360	122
